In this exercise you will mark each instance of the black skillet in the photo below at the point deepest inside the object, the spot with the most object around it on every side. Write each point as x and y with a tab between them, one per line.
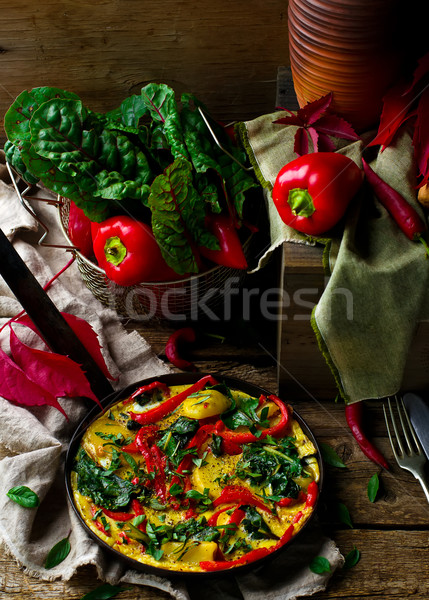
174	379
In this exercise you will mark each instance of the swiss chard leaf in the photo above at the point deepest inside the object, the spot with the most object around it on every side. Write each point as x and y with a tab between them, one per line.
14	158
18	117
103	487
178	217
161	103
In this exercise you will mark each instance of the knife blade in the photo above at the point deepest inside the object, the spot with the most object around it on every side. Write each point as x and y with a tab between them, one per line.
418	411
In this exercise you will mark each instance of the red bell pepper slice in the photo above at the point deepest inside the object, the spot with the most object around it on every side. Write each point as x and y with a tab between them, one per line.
237	516
155	385
312	493
166	407
219	565
145	434
117	515
215	516
239	495
275	431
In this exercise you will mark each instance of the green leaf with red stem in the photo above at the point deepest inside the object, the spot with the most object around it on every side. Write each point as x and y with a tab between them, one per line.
178	215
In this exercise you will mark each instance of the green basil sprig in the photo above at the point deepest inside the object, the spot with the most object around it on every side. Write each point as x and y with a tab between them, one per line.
24	496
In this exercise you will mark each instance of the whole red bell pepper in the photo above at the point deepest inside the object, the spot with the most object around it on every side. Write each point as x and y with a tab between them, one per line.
231	251
79	229
128	252
312	192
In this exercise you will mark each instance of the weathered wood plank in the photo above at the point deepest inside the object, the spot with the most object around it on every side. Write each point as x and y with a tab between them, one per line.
105	50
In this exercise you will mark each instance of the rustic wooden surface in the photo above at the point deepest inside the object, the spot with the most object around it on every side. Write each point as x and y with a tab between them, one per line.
227	53
392	533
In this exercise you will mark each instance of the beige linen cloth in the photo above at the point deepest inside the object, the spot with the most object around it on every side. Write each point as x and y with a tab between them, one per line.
37	439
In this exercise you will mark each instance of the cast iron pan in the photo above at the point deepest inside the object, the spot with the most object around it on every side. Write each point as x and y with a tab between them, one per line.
175	379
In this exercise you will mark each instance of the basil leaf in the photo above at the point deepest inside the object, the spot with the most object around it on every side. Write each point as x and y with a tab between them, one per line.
352	558
58	553
320	565
331	457
104	592
373	487
178	217
23	496
344	515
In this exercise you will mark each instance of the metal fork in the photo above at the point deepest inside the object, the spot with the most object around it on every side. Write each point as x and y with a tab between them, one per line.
409	454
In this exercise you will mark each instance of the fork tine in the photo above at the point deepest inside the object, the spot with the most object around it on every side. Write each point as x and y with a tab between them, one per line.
386	418
405	423
395	428
410	429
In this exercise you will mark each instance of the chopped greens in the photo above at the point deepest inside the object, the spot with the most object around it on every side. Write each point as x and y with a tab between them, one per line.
272	464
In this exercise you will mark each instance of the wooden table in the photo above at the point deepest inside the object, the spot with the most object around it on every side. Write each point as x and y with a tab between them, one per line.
391	534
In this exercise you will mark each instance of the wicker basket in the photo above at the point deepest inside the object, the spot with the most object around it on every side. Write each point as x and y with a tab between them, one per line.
190	298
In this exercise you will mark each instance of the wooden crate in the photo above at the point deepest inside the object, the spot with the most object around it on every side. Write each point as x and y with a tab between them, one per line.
302	370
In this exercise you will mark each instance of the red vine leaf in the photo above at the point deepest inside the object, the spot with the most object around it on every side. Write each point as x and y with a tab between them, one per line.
17	388
84	332
58	375
313	121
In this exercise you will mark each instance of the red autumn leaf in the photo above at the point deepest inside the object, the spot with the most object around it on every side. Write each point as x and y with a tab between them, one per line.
336	127
421	138
301	142
16	387
55	373
312	121
84	332
396	107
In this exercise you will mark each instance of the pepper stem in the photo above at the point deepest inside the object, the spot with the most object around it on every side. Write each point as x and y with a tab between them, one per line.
301	202
421	239
114	250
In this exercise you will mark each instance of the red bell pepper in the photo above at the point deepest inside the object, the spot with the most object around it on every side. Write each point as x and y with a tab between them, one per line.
155	385
117	515
275	431
79	229
128	252
166	407
219	565
312	493
236	494
231	251
312	192
185	334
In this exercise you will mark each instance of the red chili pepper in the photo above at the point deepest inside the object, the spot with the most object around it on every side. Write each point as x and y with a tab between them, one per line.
312	493
172	348
118	516
239	495
231	251
275	431
312	192
354	417
405	216
166	407
128	252
79	230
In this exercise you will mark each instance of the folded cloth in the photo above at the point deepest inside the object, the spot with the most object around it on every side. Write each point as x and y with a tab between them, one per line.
378	289
37	438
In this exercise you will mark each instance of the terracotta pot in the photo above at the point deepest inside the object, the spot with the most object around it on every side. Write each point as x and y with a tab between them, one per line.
348	47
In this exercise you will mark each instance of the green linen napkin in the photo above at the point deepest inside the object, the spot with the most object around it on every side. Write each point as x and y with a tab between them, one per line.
377	290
